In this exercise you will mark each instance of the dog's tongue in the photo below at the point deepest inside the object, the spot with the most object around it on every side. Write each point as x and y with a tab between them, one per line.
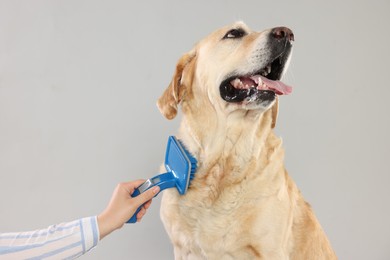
275	85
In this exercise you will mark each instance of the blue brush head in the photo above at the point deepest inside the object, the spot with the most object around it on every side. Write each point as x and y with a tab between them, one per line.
181	163
180	166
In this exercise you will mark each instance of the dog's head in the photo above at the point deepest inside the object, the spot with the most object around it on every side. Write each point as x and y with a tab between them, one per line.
232	69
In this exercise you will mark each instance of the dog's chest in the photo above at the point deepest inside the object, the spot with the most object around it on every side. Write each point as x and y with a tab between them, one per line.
234	226
213	225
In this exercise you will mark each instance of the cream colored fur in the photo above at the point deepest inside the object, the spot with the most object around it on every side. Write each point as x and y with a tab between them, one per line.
242	203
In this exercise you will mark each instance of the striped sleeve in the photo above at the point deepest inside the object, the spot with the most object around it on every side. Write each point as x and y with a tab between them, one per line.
63	241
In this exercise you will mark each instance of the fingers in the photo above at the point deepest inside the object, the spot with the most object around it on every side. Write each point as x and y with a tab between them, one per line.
140	214
136	183
132	185
147	204
143	210
144	199
147	195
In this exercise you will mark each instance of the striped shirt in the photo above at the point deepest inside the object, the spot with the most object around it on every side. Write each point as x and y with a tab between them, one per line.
63	241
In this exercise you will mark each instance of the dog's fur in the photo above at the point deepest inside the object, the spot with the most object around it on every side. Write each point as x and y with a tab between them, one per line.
242	204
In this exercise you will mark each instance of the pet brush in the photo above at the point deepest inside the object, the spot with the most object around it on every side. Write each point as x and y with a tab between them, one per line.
180	166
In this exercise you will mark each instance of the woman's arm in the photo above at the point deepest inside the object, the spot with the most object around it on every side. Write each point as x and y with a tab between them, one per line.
73	239
65	240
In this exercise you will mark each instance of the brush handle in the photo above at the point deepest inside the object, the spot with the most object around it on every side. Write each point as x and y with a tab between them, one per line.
165	181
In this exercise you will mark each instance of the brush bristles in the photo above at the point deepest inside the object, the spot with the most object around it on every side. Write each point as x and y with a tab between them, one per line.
192	159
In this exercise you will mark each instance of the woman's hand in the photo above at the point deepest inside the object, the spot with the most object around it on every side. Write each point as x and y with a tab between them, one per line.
122	206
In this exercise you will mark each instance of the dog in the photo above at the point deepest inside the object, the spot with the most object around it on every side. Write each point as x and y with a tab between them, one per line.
241	204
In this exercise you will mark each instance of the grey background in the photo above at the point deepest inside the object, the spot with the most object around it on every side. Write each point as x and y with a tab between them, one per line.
78	86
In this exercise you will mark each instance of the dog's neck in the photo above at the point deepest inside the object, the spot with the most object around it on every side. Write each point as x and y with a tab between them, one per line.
239	139
232	151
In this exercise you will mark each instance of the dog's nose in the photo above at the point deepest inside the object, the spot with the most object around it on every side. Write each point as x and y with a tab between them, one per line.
280	33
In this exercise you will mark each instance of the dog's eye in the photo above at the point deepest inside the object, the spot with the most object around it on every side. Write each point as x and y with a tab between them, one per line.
234	33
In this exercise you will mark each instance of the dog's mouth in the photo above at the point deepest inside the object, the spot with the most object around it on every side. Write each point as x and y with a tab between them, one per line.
263	84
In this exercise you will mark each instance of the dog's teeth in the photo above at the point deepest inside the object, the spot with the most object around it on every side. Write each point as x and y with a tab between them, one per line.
236	83
266	71
259	81
236	80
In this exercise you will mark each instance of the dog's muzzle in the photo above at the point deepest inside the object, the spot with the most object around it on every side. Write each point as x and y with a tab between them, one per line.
264	84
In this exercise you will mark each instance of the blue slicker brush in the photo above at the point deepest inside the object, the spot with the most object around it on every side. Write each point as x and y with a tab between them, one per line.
180	166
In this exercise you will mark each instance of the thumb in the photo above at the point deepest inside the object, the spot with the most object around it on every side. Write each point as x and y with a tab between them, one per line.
147	195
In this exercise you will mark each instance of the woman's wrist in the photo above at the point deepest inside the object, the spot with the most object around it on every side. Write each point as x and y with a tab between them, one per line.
104	225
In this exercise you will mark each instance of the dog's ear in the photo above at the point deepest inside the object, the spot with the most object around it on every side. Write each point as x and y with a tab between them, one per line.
178	88
274	111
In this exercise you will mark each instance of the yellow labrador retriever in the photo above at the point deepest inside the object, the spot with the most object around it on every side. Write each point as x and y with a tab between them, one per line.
242	204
